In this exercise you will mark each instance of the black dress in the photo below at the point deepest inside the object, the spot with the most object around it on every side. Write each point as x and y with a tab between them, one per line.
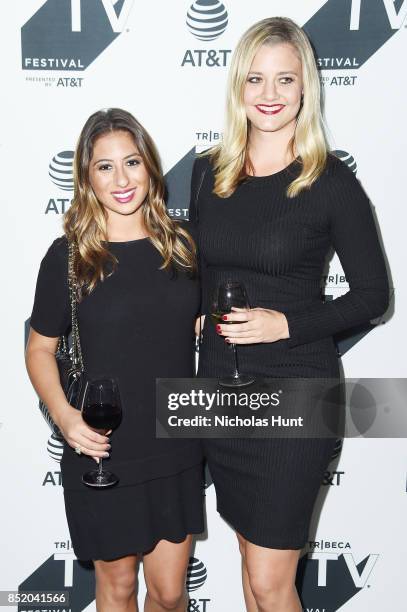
277	247
136	326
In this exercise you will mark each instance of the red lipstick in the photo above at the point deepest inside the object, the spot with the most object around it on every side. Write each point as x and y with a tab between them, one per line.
270	109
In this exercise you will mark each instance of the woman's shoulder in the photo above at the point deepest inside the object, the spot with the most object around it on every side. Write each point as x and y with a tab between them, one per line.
59	245
202	164
57	252
339	190
337	170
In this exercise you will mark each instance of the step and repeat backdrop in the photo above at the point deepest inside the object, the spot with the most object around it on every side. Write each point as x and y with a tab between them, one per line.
167	63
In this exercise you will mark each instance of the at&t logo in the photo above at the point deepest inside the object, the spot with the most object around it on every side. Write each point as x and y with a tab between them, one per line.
71	34
206	20
334	477
347	159
60	171
55	447
196	574
196	577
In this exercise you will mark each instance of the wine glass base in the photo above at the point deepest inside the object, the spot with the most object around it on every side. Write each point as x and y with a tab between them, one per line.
237	381
99	481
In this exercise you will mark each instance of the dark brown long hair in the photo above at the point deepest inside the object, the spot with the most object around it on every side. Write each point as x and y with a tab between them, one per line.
85	222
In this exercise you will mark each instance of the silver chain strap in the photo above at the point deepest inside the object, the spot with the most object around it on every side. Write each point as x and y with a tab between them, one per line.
77	358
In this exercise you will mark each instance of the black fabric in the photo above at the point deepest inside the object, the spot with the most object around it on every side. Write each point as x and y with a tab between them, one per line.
277	246
123	521
136	326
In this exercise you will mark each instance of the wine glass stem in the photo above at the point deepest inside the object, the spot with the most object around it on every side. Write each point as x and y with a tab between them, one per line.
236	373
100	470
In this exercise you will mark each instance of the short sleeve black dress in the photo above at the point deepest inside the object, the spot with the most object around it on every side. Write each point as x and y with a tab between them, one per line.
137	325
278	246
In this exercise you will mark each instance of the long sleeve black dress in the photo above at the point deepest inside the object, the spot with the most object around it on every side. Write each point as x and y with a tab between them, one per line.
137	325
277	246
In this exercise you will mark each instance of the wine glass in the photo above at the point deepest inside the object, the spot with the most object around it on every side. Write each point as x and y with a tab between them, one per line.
230	294
102	411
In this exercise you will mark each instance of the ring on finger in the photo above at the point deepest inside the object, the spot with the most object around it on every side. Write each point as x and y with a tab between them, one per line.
78	450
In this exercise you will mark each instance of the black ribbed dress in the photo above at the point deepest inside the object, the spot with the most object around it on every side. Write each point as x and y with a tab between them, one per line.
137	325
278	247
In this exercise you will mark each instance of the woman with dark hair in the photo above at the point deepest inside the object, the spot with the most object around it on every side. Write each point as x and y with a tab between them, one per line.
270	203
137	301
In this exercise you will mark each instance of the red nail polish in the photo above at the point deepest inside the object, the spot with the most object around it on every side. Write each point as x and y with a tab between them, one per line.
218	328
224	318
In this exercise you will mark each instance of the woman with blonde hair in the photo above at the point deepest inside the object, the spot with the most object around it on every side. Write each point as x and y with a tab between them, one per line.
270	202
137	299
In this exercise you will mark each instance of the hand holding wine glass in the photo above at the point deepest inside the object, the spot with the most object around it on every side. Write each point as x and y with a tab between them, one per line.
79	435
254	326
102	411
228	295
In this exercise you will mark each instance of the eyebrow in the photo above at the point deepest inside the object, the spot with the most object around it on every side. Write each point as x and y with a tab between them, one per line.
110	160
278	73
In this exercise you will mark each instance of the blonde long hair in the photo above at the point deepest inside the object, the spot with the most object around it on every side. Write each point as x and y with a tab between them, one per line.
85	222
309	146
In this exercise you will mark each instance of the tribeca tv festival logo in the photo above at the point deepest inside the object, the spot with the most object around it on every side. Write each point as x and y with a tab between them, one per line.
68	35
329	575
206	20
207	138
60	172
62	572
346	34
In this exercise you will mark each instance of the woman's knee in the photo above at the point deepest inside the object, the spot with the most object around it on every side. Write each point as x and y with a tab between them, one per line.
266	589
116	581
168	596
272	583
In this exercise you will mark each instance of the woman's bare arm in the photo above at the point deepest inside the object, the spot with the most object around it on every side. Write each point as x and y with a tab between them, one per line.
43	372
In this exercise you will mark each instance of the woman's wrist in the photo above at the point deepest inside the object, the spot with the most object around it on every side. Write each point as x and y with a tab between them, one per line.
59	412
285	332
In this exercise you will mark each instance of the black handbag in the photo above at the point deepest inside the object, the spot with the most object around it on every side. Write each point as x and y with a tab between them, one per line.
69	355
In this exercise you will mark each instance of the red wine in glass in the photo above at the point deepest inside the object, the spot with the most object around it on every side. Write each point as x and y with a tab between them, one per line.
102	411
227	295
